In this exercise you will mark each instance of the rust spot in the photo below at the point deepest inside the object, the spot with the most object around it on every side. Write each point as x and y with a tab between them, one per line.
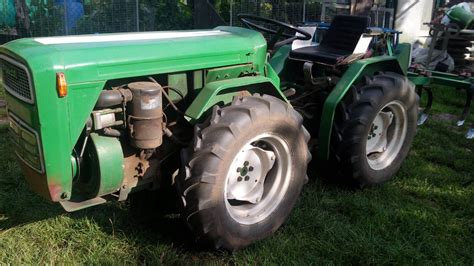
38	182
55	191
243	94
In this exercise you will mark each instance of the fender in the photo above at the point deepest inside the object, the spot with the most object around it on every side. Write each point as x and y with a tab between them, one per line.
222	92
354	74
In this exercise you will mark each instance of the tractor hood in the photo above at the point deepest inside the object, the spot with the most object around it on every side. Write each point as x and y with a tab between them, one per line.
52	125
100	57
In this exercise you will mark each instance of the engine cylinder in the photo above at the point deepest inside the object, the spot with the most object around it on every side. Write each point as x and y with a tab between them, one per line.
145	115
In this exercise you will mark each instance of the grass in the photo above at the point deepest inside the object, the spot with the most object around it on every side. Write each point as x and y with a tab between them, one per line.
424	216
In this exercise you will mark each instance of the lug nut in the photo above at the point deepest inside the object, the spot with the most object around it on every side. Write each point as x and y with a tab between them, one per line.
239	179
247	178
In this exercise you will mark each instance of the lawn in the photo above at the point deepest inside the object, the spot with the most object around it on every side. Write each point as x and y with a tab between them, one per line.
424	216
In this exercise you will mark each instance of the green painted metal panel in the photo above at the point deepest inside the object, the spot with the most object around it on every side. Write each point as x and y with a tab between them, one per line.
280	58
48	116
441	78
223	91
81	101
355	72
230	72
178	82
101	171
110	160
198	77
403	54
89	64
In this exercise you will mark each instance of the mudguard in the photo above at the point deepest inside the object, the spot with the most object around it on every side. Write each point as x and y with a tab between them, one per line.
397	63
223	91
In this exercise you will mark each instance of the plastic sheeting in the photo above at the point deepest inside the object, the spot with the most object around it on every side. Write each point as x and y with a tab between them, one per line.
7	13
74	11
440	60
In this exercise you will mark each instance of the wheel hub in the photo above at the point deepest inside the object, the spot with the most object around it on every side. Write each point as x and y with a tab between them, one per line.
252	165
377	138
386	135
258	178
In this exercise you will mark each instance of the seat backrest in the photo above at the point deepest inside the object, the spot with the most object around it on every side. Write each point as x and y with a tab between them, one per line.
345	31
303	43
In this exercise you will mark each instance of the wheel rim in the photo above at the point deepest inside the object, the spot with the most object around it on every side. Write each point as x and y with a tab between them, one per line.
257	179
386	135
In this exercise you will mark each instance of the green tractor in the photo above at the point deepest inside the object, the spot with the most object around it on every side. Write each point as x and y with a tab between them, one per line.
213	122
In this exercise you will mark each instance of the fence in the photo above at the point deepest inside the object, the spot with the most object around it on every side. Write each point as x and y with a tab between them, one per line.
308	10
66	17
25	18
291	12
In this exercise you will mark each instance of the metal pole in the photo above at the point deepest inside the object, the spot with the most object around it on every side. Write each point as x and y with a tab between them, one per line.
376	24
65	18
323	12
137	11
304	11
231	12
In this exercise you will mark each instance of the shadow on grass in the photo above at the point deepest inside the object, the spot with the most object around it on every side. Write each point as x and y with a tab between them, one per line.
23	207
20	206
425	214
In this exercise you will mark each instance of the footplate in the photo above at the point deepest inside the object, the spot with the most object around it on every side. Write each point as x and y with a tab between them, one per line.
70	206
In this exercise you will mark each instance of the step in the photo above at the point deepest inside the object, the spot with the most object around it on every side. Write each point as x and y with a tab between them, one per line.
70	206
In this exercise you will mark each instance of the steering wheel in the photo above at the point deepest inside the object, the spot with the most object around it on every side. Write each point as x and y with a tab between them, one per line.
273	43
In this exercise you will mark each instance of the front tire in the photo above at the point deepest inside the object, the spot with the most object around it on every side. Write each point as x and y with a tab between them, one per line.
373	129
246	172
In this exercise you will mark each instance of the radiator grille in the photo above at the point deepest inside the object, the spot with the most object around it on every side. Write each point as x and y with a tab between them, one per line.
26	143
16	79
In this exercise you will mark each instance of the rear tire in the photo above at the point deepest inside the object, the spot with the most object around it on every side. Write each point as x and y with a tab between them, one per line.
261	137
373	129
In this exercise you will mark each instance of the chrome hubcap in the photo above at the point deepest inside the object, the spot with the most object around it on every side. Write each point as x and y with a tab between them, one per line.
257	179
386	135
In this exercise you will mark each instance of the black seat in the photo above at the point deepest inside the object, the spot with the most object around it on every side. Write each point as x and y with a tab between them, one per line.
338	43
